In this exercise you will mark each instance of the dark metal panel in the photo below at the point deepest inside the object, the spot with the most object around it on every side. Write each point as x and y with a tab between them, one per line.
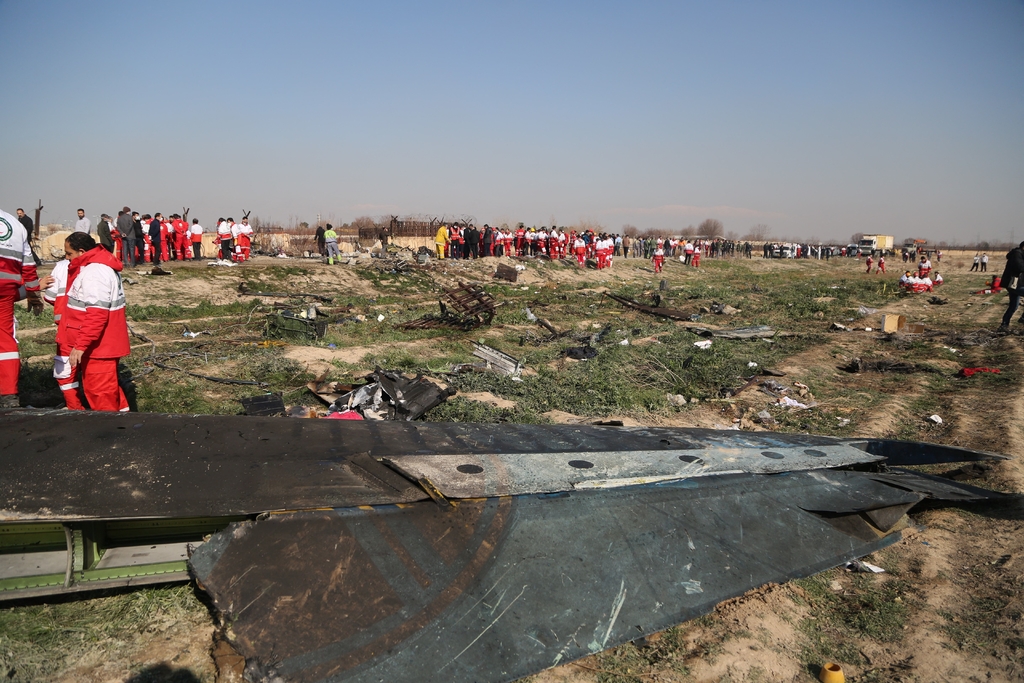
60	465
903	453
109	466
526	583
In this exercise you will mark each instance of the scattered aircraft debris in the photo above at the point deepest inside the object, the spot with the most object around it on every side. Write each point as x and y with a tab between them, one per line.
291	325
756	332
389	395
670	313
505	272
858	365
263	405
472	305
500	361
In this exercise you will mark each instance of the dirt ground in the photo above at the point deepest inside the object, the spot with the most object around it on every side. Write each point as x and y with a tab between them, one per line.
955	578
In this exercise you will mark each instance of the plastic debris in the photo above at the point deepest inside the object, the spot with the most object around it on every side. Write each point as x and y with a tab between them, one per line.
970	372
751	364
936	419
705	345
864	310
792	403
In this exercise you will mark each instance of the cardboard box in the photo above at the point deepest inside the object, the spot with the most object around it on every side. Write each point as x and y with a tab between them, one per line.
893	323
914	328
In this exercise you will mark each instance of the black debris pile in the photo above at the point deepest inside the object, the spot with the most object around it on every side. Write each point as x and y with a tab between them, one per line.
581	352
391	395
507	273
263	405
858	365
972	470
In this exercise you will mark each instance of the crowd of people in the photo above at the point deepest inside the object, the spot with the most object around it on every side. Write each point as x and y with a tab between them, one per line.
135	238
89	304
87	296
468	242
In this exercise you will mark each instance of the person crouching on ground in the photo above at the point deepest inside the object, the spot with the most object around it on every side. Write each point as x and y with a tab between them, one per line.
93	325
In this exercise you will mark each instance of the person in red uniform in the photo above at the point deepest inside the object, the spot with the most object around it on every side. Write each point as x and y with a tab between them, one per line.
181	239
17	270
93	324
870	263
881	265
659	258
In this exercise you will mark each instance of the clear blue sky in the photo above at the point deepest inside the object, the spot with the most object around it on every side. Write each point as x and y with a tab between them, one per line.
820	118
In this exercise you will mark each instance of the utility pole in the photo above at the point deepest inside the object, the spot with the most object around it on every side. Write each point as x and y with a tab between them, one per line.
39	212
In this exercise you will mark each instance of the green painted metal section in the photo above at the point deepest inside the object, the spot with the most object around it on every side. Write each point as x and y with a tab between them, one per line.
88	541
22	582
18	538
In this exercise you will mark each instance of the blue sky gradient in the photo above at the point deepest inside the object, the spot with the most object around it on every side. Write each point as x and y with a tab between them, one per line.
818	119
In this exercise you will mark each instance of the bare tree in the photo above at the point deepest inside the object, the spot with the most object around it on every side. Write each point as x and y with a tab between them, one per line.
856	237
363	222
689	232
630	230
585	224
759	233
732	235
711	227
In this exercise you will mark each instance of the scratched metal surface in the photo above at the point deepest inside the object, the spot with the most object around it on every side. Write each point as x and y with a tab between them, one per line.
497	589
69	465
474	476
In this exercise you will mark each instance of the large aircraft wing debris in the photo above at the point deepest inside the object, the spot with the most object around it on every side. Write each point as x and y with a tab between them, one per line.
406	551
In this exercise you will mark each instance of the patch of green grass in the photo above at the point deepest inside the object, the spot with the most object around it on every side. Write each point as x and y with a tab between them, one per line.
39	641
874	607
204	309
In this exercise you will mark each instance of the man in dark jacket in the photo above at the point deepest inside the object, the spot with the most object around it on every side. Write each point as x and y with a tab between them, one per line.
472	242
126	226
1013	281
156	229
487	241
103	232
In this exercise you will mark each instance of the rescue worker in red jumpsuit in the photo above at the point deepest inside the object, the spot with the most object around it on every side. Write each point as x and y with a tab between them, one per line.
579	247
245	240
17	270
659	258
881	265
870	263
93	324
181	239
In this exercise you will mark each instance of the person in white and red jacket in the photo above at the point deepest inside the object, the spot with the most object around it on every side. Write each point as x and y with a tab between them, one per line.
54	289
17	271
93	324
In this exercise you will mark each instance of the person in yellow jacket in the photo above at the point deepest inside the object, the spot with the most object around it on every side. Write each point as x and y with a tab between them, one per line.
331	242
441	240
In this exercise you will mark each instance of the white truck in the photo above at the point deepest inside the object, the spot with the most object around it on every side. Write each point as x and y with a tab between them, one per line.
869	244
